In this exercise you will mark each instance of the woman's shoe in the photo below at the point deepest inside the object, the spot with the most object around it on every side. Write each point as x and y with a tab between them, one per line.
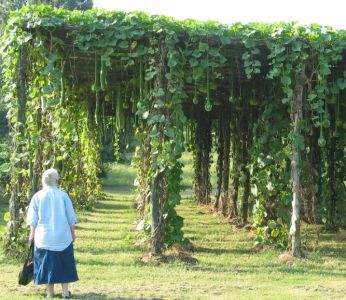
67	296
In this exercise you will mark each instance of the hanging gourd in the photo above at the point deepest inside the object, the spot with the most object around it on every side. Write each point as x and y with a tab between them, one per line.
195	100
62	84
208	105
103	74
97	110
96	85
338	122
133	101
231	98
321	139
126	101
253	100
119	111
104	117
140	80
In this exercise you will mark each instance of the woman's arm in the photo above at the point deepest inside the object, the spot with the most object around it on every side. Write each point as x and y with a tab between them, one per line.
71	216
73	232
32	218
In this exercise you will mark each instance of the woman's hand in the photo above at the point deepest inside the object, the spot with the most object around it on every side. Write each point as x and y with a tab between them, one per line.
31	236
73	233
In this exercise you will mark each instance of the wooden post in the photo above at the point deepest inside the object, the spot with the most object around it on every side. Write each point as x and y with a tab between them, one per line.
297	117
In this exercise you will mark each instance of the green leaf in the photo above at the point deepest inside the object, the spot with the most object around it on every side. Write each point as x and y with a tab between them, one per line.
169	132
7	216
286	80
124	44
324	69
203	46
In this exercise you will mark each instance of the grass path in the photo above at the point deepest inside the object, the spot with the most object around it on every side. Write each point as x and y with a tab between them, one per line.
109	266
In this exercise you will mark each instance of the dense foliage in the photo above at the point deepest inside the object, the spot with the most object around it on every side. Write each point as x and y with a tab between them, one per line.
95	74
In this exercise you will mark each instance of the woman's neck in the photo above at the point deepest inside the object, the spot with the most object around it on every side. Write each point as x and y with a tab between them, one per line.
48	186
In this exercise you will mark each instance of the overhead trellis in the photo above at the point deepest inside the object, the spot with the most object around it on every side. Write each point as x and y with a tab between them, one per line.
270	96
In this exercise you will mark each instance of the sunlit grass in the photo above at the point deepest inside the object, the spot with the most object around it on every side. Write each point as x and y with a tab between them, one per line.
109	262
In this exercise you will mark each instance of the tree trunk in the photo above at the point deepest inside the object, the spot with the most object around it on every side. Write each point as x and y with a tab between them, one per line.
297	117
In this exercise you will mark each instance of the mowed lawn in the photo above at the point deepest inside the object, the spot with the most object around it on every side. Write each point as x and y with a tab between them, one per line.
228	267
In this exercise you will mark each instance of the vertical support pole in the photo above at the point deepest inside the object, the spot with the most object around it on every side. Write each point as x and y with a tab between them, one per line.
156	215
38	164
219	164
17	179
142	159
226	144
233	209
245	144
202	150
297	117
158	185
332	171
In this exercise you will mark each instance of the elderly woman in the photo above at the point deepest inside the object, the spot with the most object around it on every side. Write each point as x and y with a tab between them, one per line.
52	220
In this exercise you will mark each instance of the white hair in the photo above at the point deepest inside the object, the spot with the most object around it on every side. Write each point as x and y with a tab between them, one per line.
50	177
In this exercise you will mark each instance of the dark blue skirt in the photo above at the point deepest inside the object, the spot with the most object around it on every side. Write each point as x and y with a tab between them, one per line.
54	266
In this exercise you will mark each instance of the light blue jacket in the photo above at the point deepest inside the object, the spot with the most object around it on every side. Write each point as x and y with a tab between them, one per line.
51	213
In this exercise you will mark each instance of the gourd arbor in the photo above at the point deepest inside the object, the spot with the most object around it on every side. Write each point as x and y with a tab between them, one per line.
270	96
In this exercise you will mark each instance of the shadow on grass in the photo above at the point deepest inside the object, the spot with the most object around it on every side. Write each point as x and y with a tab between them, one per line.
108	221
111	206
101	296
274	268
95	229
224	251
121	189
328	251
110	212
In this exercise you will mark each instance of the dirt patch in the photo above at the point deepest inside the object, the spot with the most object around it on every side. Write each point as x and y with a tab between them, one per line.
175	253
